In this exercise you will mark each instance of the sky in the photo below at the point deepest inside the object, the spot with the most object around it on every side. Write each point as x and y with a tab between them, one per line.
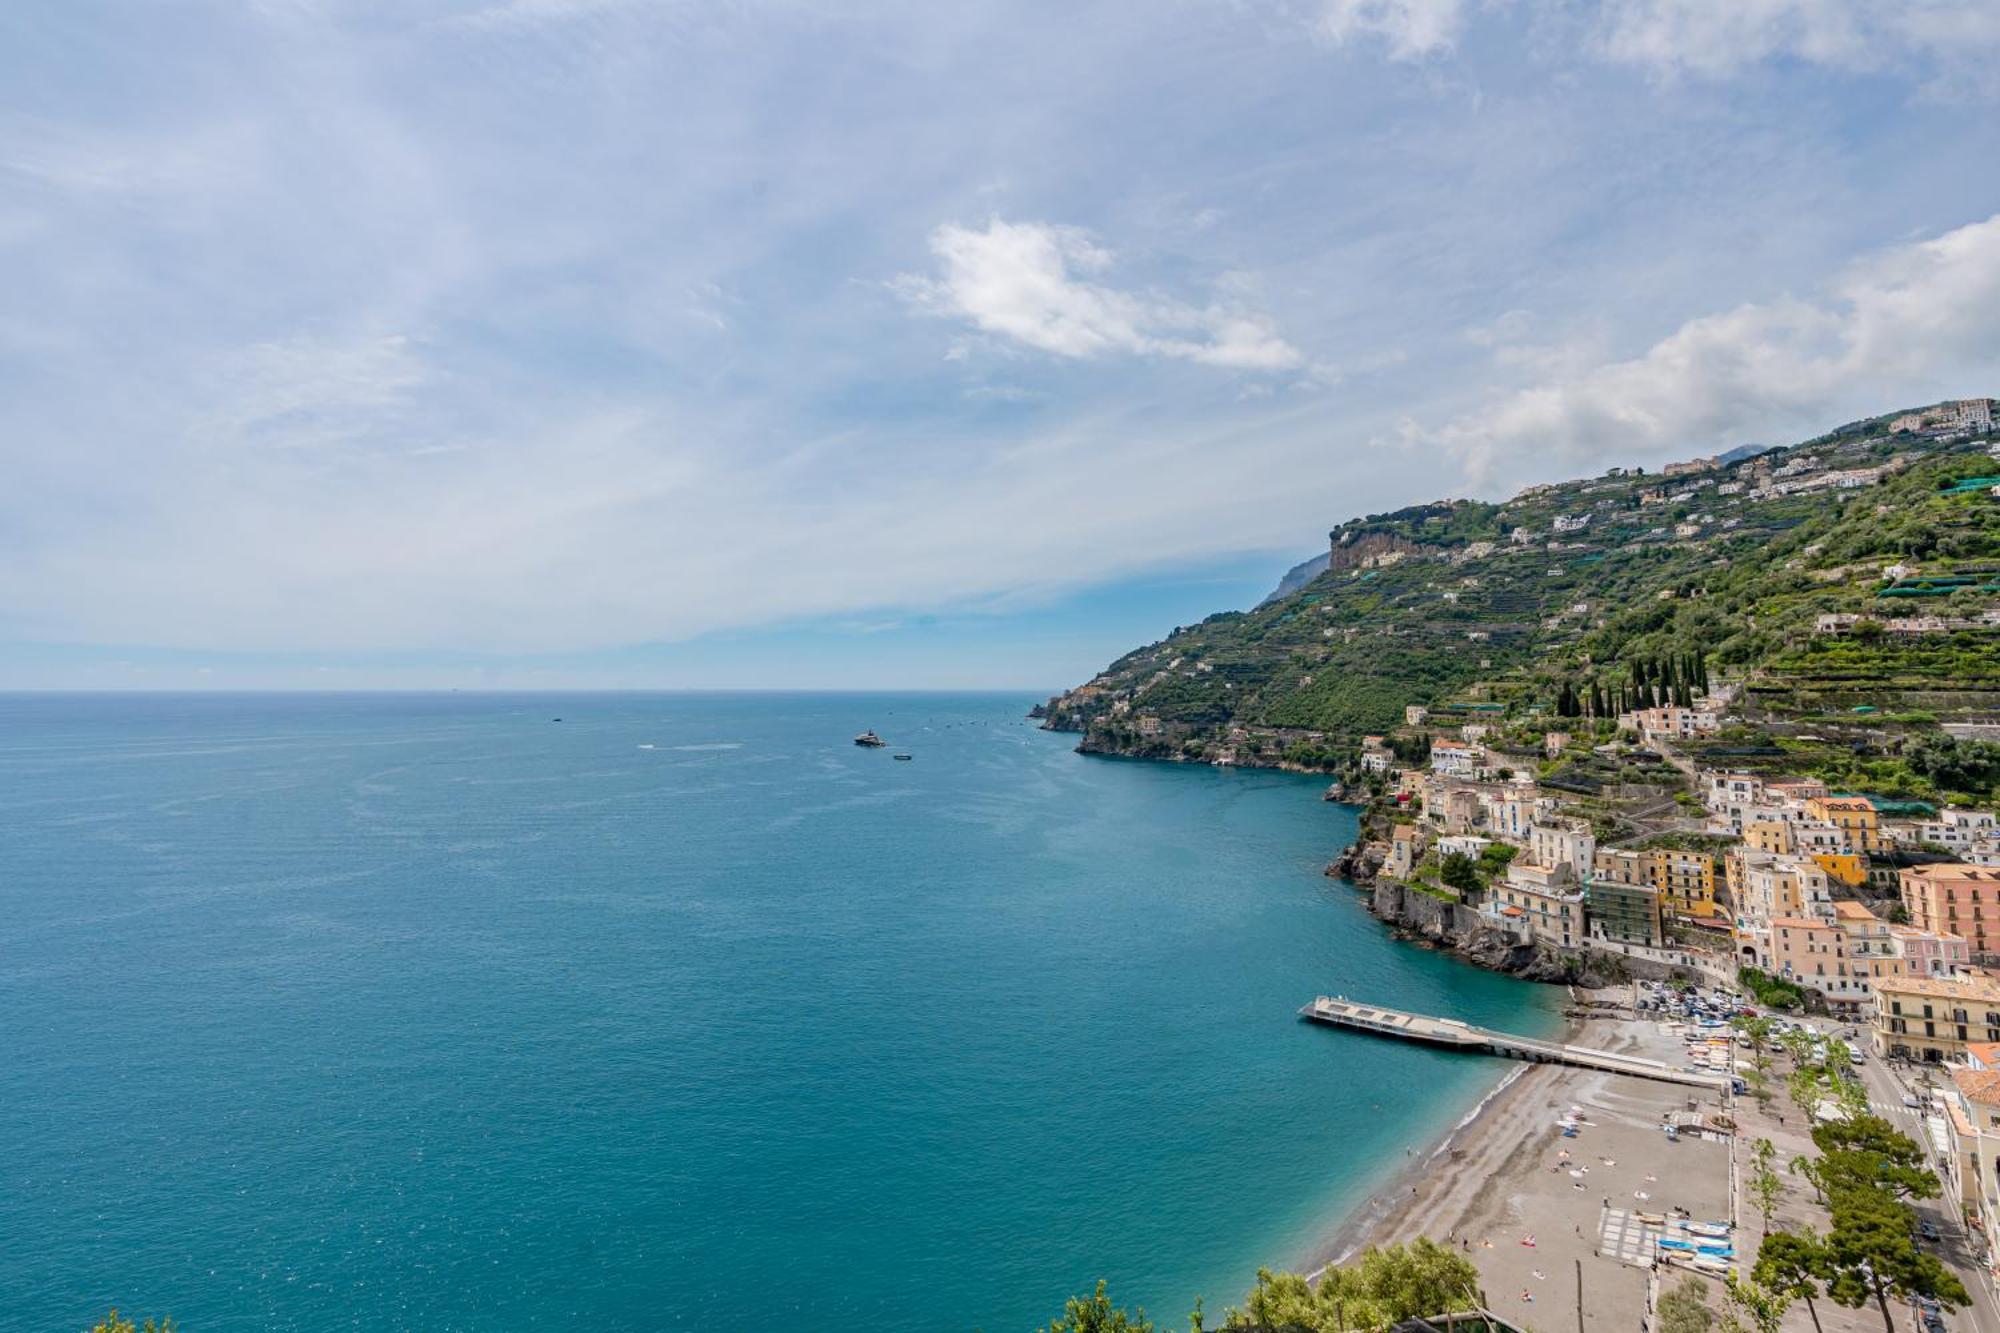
746	344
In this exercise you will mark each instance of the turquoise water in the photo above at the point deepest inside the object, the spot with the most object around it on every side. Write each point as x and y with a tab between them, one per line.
432	1013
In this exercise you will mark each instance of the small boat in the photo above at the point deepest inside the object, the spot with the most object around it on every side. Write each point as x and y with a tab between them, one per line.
870	740
900	756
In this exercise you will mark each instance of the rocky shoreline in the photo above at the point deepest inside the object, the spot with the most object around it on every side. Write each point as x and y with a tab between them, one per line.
1422	919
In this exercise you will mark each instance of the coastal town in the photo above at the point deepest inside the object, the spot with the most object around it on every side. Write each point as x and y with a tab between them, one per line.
1715	749
1877	920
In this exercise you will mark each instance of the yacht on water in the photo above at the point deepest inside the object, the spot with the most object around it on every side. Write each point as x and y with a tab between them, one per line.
871	740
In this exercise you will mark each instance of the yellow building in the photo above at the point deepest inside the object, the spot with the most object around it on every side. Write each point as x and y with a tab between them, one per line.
1686	881
1934	1019
1846	868
1854	816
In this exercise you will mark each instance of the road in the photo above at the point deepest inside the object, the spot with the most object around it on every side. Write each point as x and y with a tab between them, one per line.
1886	1090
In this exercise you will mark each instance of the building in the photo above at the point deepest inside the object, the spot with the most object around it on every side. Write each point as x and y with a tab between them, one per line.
1615	865
1686	881
1972	1104
1764	886
1415	715
1967	416
1670	721
1455	758
1934	1019
1955	899
1510	811
1813	953
1563	844
1623	913
1854	816
1959	830
1548	901
1405	848
1928	954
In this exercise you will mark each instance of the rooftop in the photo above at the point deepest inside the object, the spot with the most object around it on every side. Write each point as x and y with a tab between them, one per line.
1853	912
1978	1085
1943	988
1954	870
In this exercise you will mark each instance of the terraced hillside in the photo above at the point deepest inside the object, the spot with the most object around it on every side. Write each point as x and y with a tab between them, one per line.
1857	571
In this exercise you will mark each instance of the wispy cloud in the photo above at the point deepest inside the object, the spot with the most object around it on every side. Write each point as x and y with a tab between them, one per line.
1026	282
1407	29
1924	313
1706	38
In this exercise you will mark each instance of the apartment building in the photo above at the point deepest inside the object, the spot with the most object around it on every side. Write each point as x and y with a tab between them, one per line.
1686	881
1955	899
1934	1019
1813	953
1854	816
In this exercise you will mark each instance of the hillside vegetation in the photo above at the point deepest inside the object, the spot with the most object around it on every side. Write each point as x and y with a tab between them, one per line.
1514	613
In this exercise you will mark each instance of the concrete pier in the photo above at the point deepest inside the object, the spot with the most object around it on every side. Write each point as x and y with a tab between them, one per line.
1449	1032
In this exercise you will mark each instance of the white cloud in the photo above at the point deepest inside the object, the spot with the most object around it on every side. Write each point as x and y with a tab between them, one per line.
1921	314
1410	29
1710	38
1023	281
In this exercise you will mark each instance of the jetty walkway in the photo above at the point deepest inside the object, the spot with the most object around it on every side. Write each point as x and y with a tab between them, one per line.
1449	1032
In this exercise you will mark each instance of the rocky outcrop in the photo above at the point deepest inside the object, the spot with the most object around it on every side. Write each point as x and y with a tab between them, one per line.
1358	863
1350	549
1463	931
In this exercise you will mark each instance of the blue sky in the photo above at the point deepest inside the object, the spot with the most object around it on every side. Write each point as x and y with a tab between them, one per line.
639	343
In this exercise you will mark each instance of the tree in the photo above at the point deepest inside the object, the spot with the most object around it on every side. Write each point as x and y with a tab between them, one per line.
1792	1264
115	1323
1871	1255
1460	872
1867	1151
1757	1030
1765	1184
1386	1285
1764	1307
1809	1168
1804	1087
1685	1309
1092	1314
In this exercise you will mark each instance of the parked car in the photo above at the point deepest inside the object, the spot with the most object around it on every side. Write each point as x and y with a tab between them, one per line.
1928	1230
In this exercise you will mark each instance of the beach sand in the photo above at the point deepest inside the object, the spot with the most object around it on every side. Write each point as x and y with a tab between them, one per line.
1498	1180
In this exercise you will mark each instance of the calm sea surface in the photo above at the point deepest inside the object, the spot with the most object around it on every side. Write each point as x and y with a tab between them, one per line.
430	1012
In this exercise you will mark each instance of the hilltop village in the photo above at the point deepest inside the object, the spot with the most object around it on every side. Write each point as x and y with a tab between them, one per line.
1735	724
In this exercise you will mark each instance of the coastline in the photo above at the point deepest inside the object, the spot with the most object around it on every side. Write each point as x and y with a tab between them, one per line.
1382	1218
1546	1219
1374	1220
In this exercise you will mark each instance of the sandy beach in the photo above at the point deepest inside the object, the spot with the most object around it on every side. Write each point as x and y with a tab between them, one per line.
1551	1222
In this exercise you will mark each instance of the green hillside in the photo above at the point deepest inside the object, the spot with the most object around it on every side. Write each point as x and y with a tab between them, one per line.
1516	613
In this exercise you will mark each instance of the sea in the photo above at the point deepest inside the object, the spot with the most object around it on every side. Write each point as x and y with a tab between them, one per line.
677	1011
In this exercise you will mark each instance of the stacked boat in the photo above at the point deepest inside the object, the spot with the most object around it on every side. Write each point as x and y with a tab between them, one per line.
1706	1247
